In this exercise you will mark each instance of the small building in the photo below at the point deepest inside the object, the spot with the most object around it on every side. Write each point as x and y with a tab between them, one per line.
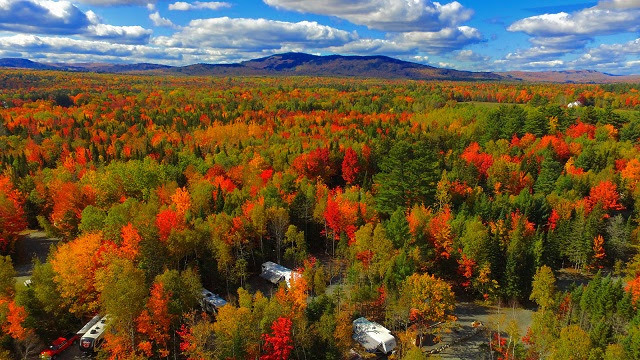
211	302
373	336
276	273
574	104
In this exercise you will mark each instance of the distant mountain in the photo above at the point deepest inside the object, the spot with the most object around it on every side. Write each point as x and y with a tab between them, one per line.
332	65
83	67
110	68
570	76
23	64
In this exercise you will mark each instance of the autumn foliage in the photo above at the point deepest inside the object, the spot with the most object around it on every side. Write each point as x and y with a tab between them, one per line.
278	345
397	196
12	217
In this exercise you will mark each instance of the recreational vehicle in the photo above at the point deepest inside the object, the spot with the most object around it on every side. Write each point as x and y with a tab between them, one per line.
276	273
94	320
373	336
90	342
211	302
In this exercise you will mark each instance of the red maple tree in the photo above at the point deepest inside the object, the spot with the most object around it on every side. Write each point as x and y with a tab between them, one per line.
350	166
278	345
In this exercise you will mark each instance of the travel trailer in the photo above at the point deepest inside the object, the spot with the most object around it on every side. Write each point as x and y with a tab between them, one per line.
277	273
211	302
91	341
373	336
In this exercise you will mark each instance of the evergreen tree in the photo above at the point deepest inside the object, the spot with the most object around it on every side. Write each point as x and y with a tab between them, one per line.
518	268
408	176
550	170
397	229
536	123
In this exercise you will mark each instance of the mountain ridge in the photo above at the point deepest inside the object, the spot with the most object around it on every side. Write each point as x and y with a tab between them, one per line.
302	64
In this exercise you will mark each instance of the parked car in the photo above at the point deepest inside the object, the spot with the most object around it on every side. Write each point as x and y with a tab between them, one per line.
58	346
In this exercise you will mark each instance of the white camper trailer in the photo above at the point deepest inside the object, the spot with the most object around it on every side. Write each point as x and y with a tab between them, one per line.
93	338
211	302
94	320
276	273
373	336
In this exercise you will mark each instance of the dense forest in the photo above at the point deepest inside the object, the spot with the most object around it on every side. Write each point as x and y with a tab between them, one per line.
393	199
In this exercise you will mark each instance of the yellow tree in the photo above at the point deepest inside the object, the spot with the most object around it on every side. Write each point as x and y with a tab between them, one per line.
231	332
430	300
543	287
74	264
122	295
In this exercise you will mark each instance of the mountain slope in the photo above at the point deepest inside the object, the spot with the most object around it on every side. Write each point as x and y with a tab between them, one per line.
333	65
110	68
570	76
301	64
24	64
82	67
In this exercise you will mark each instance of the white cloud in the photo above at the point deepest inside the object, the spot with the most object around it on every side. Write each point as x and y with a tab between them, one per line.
620	4
63	18
64	45
199	5
535	53
445	40
564	43
420	58
41	16
119	34
588	22
633	64
151	7
617	53
115	2
435	42
544	64
470	56
254	35
159	20
386	15
555	37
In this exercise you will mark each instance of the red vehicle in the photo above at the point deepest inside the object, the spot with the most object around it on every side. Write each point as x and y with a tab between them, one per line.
58	346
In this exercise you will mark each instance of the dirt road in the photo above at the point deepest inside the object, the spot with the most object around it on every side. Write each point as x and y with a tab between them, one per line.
468	343
33	244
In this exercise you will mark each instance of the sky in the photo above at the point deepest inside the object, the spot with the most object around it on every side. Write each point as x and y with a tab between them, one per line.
478	35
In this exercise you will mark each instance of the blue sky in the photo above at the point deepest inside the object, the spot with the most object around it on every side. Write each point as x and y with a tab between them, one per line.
489	35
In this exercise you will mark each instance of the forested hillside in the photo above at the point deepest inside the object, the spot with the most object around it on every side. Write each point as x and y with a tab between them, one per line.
394	199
